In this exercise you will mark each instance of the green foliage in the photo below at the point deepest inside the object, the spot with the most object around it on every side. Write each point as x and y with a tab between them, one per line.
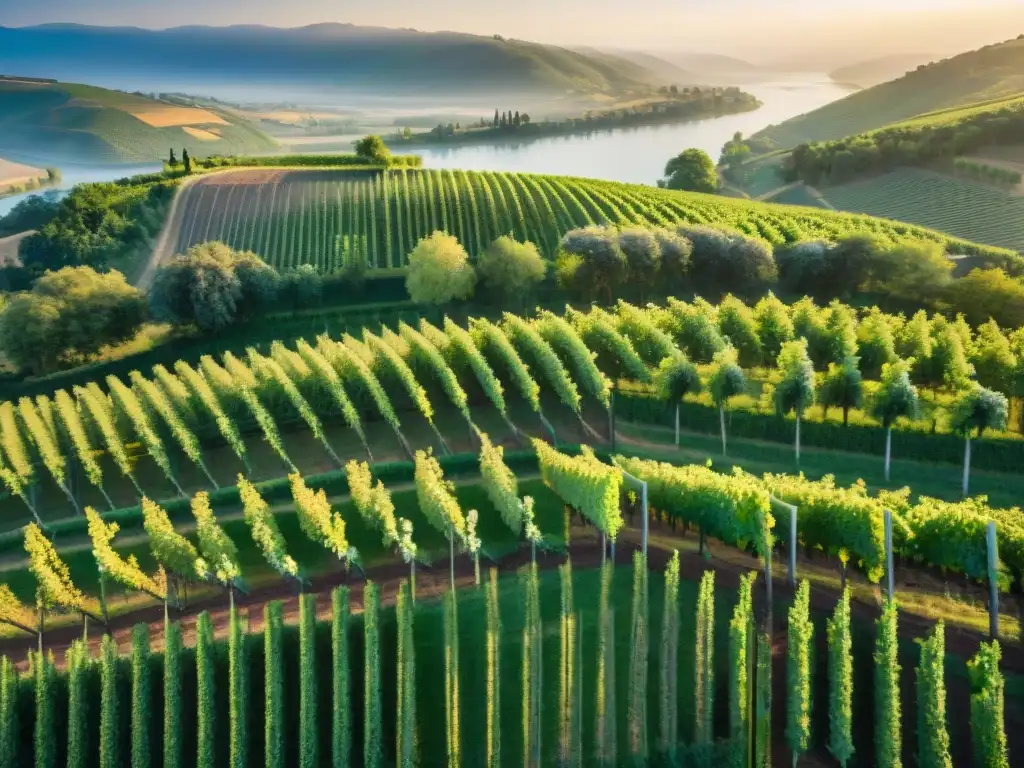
493	649
695	327
741	636
668	661
341	683
206	712
238	692
842	387
774	326
406	737
795	392
988	732
840	682
897	397
675	378
45	750
439	271
763	703
978	409
591	262
798	672
932	737
888	711
9	719
67	317
274	693
585	483
308	734
692	170
739	327
141	719
373	747
570	746
78	664
110	731
704	662
727	379
532	667
373	148
452	698
511	269
173	757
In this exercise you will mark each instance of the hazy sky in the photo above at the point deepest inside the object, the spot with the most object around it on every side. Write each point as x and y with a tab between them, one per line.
761	28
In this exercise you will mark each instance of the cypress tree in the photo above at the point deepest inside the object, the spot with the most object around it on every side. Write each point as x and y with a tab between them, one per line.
78	704
704	662
493	673
173	160
373	755
496	120
840	682
798	672
172	696
9	725
186	160
740	630
932	737
341	726
605	742
669	661
238	685
888	717
987	730
109	731
206	717
273	677
42	674
452	699
307	682
405	730
637	722
141	719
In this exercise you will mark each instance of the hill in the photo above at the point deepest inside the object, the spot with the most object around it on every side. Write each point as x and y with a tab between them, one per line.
327	218
989	73
45	122
866	74
340	55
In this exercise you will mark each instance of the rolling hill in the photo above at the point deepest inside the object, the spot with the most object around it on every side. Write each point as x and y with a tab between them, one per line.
338	55
866	74
48	122
988	73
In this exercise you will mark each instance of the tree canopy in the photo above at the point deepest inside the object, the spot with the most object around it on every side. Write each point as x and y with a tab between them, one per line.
439	271
373	148
511	269
692	170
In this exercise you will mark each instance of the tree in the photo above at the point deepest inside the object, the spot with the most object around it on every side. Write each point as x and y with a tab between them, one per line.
774	327
843	387
511	269
187	161
947	364
497	120
978	409
675	251
795	393
838	339
374	149
591	262
172	160
876	343
728	262
726	381
643	257
896	399
517	120
989	294
68	316
692	170
675	378
439	271
993	359
737	325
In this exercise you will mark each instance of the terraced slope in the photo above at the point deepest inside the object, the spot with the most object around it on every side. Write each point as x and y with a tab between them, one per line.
325	217
962	207
46	122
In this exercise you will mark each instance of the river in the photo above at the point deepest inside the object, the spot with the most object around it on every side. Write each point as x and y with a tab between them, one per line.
635	155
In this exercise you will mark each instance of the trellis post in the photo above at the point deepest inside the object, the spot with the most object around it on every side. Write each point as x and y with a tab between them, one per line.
889	574
993	579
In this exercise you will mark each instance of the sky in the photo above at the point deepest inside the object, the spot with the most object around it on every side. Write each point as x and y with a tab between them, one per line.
761	29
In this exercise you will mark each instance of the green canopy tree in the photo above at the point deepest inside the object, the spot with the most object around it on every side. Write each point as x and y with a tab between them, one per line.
876	343
774	326
843	387
737	324
439	271
977	409
692	170
727	381
675	378
373	148
511	269
993	358
795	392
897	398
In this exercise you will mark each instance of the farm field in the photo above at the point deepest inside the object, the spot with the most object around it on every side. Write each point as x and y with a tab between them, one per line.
17	174
81	123
960	207
323	218
797	195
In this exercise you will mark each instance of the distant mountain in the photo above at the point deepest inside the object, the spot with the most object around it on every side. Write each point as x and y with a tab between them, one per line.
51	122
661	67
337	55
988	73
866	74
716	69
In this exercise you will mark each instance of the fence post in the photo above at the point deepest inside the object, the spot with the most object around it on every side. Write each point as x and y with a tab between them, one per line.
993	579
792	546
643	508
889	576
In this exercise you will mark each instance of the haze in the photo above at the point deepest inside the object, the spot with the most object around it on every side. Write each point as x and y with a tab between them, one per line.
791	32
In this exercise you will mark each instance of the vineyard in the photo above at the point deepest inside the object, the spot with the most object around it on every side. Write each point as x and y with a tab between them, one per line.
964	208
329	218
492	650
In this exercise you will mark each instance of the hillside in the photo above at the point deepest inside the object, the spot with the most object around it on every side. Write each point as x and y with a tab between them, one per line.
339	55
866	74
48	122
326	218
989	73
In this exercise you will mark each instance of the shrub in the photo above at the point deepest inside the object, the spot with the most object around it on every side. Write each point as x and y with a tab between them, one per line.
511	269
439	271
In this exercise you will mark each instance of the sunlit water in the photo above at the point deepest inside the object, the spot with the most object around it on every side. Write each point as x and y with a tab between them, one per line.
628	154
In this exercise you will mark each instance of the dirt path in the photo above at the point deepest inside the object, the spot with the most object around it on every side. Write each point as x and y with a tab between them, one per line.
163	250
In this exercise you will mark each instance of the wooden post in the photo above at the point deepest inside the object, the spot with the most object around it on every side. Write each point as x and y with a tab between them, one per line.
792	546
643	507
993	579
677	425
611	419
889	575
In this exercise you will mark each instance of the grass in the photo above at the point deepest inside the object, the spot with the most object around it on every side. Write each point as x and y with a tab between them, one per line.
957	206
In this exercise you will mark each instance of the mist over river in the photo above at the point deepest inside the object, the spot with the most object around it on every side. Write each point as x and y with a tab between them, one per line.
636	155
